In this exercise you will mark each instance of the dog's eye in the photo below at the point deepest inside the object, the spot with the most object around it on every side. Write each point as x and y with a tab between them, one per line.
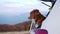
37	13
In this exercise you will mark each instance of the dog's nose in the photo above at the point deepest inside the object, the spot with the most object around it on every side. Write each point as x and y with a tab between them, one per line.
29	17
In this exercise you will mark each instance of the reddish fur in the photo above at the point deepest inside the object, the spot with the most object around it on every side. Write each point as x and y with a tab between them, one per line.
35	14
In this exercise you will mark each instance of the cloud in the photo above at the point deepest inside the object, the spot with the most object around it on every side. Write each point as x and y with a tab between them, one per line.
12	10
14	7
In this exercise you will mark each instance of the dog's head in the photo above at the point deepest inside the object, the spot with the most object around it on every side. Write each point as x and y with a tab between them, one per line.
35	14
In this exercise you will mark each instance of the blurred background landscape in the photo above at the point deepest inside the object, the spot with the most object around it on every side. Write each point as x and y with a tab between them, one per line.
14	15
24	26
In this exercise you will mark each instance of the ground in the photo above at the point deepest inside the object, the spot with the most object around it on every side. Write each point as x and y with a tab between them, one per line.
22	32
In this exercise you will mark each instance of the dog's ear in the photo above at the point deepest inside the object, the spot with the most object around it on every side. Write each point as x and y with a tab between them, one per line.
39	22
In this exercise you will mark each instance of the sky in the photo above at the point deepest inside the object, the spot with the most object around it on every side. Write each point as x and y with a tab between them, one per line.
16	11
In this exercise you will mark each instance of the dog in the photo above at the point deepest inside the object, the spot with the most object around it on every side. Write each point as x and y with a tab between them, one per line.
39	18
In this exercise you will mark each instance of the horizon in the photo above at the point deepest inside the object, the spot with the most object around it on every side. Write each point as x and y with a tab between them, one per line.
13	11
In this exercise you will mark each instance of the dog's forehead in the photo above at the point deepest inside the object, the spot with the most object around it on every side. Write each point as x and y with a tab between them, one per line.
34	12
